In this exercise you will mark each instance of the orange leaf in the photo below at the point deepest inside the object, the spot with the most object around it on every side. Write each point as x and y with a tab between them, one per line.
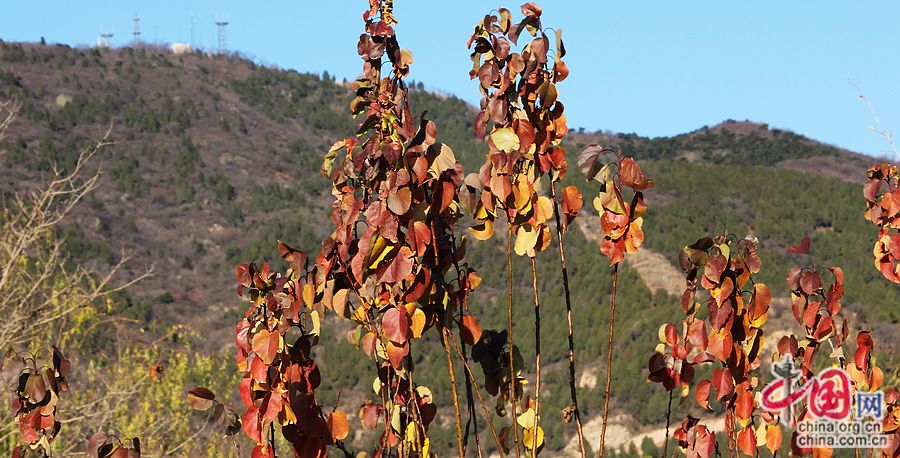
773	438
267	344
338	425
747	442
470	330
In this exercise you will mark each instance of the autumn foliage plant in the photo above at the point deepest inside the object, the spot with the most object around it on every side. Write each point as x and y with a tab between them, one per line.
621	223
882	193
523	123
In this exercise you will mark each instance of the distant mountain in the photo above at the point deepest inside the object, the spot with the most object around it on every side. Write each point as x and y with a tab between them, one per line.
216	157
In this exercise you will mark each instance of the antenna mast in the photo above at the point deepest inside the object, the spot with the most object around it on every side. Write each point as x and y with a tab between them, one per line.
104	38
221	22
137	30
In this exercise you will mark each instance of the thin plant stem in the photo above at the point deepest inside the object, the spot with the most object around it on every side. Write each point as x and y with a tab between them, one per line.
458	417
609	357
537	358
565	276
509	330
668	422
484	407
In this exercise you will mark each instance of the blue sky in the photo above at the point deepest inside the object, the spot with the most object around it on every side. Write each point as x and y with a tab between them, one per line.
652	67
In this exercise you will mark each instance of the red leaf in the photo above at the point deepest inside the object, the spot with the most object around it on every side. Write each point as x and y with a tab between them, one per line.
800	248
399	201
397	353
250	423
702	394
95	442
395	325
297	258
723	382
864	347
747	442
369	414
810	281
470	330
245	391
399	268
632	176
743	406
273	405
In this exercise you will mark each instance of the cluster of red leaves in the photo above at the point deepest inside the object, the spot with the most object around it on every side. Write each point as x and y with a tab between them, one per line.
520	106
37	389
731	334
817	308
882	210
620	221
695	438
403	264
274	341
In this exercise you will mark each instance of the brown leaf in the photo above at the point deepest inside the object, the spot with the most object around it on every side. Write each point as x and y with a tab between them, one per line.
200	398
531	9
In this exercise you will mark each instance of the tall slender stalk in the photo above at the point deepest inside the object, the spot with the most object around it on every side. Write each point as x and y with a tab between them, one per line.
484	407
565	276
509	330
472	420
609	357
457	416
537	358
668	422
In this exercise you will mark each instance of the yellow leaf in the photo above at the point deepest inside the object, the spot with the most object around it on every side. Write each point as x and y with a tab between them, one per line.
411	433
505	139
309	294
376	385
395	419
378	251
522	193
526	237
483	231
725	250
418	323
316	322
530	440
543	210
526	419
